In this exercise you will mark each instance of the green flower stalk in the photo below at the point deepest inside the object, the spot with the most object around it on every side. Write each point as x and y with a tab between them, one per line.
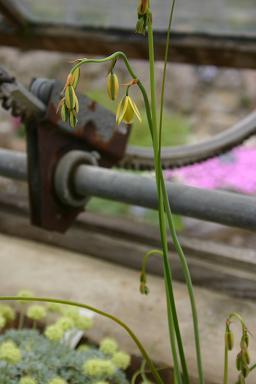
164	207
23	293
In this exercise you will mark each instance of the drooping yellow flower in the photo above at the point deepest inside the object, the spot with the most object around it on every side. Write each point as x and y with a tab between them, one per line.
112	86
71	98
126	111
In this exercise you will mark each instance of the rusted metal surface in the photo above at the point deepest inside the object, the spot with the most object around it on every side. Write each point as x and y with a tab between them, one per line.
220	33
49	139
205	48
17	99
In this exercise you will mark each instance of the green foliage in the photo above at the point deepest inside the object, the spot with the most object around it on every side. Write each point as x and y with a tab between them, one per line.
44	360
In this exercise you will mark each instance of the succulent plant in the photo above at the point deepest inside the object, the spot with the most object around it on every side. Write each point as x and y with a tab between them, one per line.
28	356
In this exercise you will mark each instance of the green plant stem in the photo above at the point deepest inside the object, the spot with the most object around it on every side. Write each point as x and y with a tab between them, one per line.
164	76
225	379
99	312
173	325
21	319
153	131
188	280
252	367
170	220
147	255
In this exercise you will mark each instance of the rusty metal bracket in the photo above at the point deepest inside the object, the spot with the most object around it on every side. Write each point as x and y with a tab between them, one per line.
49	140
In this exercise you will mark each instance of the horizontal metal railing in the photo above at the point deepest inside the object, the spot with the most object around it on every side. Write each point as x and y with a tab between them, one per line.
226	208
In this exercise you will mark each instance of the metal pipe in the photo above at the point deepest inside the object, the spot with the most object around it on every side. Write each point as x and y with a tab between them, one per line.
221	207
13	165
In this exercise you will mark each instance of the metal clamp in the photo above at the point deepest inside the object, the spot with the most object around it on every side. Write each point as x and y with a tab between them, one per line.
63	178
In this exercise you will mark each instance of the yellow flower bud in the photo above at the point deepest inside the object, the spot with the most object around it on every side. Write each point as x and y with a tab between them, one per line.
239	362
73	78
241	379
142	7
245	357
126	111
71	98
245	371
72	119
112	86
64	112
76	77
229	339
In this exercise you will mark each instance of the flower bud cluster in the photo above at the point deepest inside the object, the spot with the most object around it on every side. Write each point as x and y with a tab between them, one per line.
108	346
126	109
144	290
98	368
36	312
70	320
243	357
143	15
7	312
69	105
121	360
10	353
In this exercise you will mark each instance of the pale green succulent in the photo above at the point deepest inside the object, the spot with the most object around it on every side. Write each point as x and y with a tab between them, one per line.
36	312
10	353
